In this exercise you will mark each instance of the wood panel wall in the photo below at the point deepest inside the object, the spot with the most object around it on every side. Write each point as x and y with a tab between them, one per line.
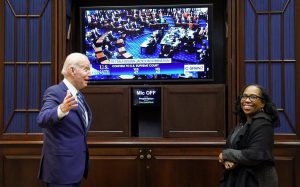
115	164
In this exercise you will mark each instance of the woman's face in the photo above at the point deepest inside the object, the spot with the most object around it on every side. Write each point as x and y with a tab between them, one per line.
251	101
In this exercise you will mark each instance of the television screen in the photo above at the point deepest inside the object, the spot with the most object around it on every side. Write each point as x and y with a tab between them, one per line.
148	43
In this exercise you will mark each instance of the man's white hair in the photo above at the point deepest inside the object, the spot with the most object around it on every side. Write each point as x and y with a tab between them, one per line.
73	59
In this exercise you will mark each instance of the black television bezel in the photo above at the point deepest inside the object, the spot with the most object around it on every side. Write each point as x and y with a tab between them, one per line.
211	80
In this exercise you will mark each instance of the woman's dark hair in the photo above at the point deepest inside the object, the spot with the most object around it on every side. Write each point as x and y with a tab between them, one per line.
269	107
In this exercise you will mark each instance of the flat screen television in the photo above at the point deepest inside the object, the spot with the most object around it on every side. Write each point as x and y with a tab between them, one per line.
148	43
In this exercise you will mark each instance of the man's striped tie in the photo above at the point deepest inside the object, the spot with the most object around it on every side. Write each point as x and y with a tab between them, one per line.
82	109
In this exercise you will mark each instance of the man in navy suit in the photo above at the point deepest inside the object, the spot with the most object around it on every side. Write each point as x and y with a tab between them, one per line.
66	118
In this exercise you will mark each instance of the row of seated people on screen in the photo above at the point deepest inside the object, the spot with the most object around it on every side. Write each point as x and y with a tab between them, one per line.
104	54
143	17
119	24
95	34
100	16
128	27
92	34
128	24
181	15
196	12
184	39
131	25
189	18
133	28
186	44
198	34
153	23
185	14
185	35
168	50
108	38
114	53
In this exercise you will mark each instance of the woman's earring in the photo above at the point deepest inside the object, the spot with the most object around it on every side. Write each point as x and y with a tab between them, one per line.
262	109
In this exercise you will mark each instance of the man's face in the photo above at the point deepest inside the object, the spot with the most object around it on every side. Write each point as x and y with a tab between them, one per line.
81	74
